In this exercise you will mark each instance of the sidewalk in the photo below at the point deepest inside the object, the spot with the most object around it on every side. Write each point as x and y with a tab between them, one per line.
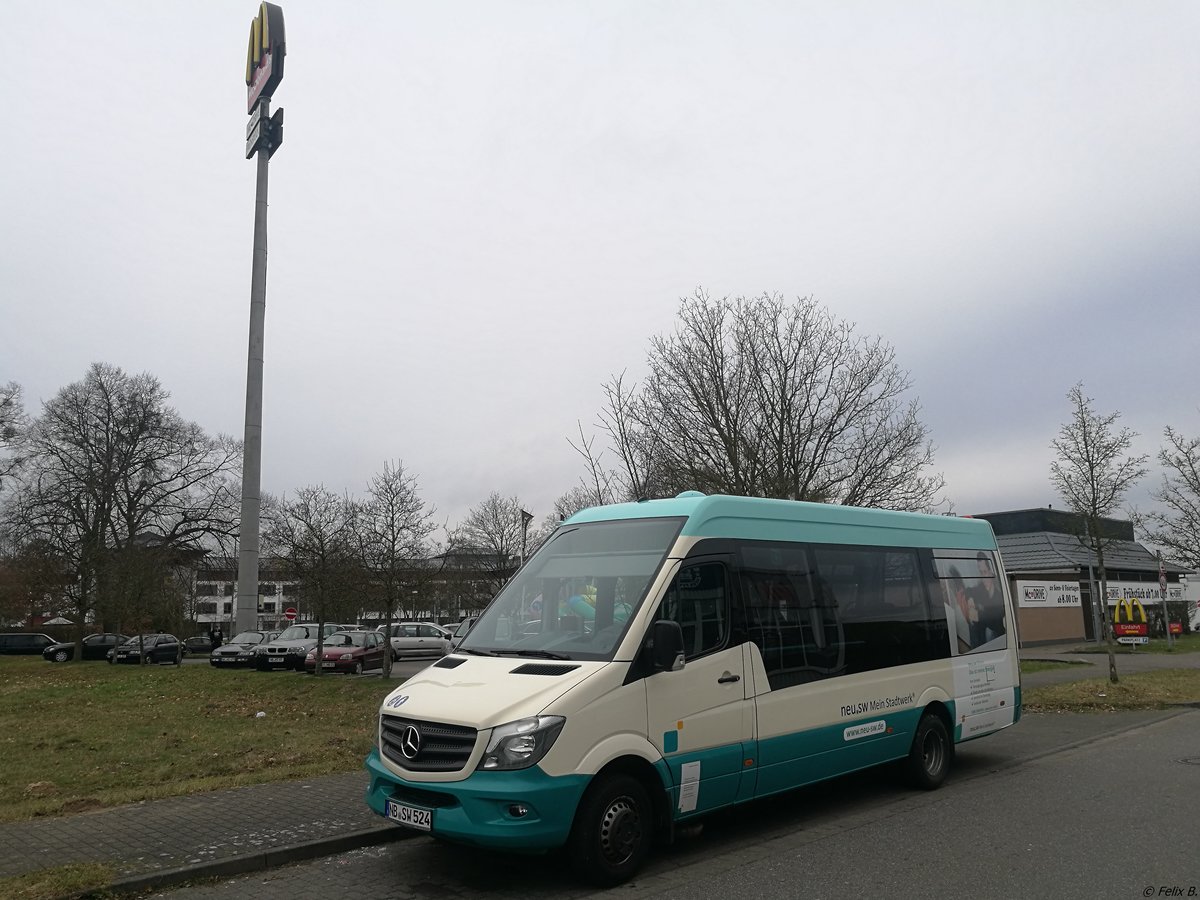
161	843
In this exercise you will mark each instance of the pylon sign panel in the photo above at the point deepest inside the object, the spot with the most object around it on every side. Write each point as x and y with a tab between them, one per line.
264	56
264	133
1129	622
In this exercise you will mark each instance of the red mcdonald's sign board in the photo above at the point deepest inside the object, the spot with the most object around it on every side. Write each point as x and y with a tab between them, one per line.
1128	629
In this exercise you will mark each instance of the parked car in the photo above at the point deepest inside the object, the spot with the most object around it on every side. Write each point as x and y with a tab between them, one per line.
241	650
461	632
348	651
24	643
287	651
149	648
419	639
201	643
95	646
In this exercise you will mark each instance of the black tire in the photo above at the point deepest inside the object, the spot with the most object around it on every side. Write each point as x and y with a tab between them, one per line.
61	655
178	659
931	753
613	830
358	667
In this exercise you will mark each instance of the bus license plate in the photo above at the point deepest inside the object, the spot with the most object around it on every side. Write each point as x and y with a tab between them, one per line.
421	819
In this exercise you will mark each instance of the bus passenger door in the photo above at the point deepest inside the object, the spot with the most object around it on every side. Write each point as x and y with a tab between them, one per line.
701	718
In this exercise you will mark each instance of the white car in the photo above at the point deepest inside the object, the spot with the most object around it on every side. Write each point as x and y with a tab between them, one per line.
460	632
419	639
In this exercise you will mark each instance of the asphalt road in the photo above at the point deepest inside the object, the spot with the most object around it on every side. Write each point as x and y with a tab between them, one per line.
1056	807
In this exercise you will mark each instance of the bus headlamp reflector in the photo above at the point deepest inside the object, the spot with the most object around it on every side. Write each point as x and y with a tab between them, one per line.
521	744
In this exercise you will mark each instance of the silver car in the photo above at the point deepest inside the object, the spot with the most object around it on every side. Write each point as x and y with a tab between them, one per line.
419	639
460	632
240	651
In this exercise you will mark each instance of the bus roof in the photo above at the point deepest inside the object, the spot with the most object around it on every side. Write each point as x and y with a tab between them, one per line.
756	518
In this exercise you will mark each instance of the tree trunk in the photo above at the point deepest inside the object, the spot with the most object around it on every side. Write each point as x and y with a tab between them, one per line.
320	648
1105	621
389	603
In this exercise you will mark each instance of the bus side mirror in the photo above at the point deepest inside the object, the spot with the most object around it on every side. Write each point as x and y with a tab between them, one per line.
667	648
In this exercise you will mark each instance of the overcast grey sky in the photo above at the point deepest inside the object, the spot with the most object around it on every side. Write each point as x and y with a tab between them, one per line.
483	210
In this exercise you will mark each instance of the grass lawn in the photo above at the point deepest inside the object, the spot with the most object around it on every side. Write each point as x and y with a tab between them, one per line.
1029	666
54	884
1184	643
78	736
1142	690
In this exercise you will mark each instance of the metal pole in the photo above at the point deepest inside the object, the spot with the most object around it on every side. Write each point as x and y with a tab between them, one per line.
1162	588
1097	614
247	597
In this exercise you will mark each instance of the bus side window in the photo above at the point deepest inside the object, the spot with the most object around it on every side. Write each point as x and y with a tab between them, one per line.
698	601
792	617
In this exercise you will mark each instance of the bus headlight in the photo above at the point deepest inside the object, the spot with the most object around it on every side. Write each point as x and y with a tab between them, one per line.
520	744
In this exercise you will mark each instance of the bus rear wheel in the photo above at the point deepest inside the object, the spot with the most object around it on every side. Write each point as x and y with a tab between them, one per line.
931	753
613	830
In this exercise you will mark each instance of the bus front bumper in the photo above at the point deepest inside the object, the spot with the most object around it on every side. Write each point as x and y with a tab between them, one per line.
522	810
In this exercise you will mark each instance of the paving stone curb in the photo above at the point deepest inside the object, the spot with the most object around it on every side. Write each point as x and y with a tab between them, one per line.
255	862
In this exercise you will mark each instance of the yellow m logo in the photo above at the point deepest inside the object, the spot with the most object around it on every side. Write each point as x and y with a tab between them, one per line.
1124	611
265	53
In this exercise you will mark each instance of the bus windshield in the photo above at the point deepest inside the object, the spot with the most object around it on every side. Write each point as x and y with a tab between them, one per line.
575	597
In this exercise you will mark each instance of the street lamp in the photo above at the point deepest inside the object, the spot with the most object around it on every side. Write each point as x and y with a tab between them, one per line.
526	518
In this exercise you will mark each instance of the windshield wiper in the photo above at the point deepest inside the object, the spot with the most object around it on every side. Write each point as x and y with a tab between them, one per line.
540	654
475	652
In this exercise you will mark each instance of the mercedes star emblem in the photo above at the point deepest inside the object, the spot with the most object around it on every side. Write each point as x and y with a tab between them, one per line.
410	742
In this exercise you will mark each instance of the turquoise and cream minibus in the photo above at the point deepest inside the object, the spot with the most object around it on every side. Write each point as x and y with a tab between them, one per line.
656	661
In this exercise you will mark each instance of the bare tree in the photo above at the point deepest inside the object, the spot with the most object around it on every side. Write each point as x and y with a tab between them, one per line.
598	485
392	531
579	497
1092	474
12	428
313	536
30	572
149	587
108	465
763	398
1177	528
494	534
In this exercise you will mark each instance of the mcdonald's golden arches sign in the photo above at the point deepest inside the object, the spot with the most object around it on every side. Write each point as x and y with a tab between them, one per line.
264	56
1129	618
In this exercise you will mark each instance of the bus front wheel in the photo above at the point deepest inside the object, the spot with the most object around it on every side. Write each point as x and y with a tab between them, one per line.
931	753
613	830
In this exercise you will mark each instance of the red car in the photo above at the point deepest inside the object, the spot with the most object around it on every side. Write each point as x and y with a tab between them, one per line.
348	651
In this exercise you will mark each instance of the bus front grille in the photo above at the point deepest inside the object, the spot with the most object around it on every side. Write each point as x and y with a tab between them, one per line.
425	746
